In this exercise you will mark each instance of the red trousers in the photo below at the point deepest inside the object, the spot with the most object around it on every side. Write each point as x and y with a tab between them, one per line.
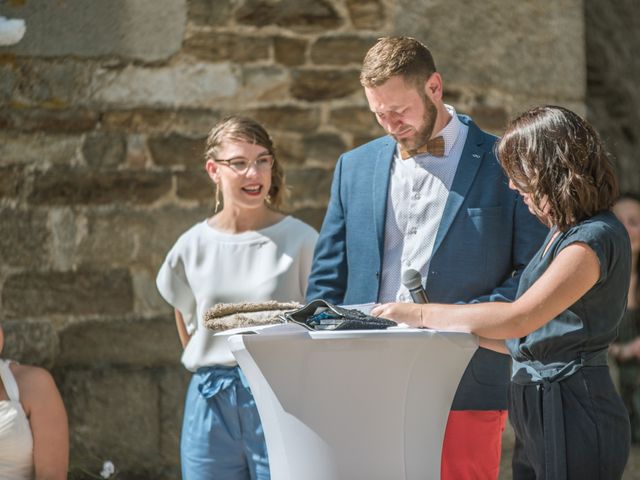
472	445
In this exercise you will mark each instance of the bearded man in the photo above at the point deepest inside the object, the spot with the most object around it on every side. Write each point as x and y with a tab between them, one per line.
429	196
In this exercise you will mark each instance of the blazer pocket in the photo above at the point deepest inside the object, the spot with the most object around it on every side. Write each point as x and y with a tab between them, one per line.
487	222
484	211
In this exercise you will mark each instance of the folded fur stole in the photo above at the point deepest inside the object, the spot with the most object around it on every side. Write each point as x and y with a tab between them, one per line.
225	316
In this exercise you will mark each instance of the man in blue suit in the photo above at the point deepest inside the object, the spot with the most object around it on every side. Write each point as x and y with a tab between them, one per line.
432	197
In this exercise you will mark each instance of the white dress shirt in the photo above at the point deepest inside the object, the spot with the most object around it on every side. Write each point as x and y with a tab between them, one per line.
418	190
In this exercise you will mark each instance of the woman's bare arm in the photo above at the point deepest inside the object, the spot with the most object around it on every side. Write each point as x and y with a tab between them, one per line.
572	273
182	329
43	406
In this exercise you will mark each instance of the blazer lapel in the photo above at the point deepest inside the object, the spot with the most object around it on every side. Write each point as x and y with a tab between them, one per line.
381	175
470	160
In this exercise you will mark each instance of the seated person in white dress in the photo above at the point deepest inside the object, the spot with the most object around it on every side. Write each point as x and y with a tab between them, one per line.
34	436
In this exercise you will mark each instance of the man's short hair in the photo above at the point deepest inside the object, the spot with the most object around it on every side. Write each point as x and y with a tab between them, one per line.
391	56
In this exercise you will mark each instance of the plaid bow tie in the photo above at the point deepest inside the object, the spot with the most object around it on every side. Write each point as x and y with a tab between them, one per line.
434	147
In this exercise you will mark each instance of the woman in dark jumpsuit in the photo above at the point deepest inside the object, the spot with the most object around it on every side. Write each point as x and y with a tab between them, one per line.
568	419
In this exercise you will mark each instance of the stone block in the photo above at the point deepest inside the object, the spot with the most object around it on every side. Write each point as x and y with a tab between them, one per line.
147	30
179	85
613	69
491	119
30	87
82	292
8	81
341	50
50	121
299	15
173	389
314	216
222	46
117	341
355	120
309	183
121	236
54	84
104	150
452	95
366	14
191	122
66	226
264	84
33	342
289	147
178	150
138	120
289	51
11	180
287	118
146	298
63	186
314	84
137	155
38	148
209	12
113	415
194	185
361	139
512	47
197	122
324	147
25	238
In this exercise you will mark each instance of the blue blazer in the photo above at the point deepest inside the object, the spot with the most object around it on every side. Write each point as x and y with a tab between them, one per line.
485	239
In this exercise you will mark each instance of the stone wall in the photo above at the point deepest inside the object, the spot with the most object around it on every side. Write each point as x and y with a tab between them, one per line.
104	108
613	73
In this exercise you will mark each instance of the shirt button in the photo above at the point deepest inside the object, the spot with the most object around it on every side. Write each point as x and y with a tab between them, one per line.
416	196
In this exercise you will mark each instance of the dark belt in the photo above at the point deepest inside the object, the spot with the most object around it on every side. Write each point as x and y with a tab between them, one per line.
548	382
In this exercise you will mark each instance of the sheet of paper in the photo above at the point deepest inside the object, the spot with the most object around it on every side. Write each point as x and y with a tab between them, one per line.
363	307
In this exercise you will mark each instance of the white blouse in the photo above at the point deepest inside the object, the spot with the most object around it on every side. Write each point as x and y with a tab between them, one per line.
207	266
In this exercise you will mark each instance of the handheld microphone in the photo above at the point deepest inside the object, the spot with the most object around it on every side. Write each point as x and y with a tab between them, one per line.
413	281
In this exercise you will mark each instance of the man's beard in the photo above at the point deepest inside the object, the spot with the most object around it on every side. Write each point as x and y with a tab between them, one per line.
423	135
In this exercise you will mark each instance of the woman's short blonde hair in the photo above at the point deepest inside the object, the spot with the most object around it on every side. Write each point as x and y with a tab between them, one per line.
238	128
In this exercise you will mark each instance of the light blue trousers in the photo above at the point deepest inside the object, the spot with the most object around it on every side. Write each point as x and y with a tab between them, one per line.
222	438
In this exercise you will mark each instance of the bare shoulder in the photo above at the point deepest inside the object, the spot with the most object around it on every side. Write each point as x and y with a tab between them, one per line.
33	382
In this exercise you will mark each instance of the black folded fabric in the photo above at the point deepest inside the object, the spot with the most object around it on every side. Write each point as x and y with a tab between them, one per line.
322	315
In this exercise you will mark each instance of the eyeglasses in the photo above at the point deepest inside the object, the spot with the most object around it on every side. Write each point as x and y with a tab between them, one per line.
241	165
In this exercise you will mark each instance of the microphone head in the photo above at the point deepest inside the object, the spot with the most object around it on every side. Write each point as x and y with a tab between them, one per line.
411	279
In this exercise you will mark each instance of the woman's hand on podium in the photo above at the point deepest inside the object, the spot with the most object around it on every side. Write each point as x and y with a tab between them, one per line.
407	313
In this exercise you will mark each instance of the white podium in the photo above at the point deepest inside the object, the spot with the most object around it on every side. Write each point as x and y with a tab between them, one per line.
350	405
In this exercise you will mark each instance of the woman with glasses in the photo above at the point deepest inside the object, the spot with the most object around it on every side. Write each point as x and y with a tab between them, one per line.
248	251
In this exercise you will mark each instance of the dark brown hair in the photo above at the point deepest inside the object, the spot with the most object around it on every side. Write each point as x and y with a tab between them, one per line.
244	129
392	56
557	157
